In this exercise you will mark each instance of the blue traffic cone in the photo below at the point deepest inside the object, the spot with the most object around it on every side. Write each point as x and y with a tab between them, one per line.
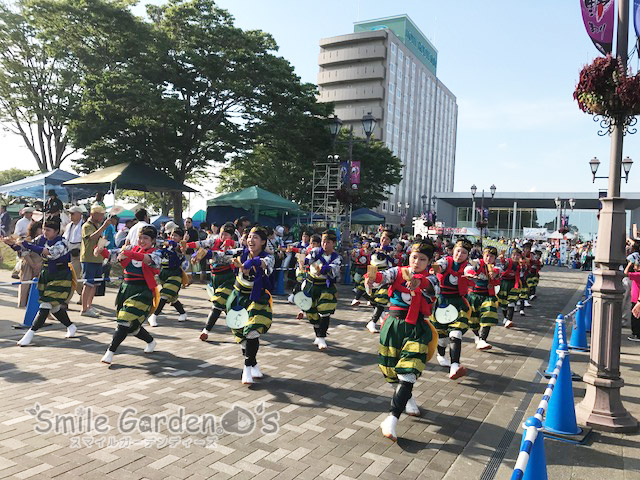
561	413
279	282
537	465
553	354
588	312
33	304
579	333
347	275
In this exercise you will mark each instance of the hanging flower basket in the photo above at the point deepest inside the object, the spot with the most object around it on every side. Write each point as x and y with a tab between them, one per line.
605	89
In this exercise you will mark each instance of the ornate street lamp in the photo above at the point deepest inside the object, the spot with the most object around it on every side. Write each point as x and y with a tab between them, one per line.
335	124
368	124
626	166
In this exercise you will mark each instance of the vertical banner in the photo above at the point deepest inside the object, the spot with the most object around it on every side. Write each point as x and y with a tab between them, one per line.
344	173
636	17
598	17
355	175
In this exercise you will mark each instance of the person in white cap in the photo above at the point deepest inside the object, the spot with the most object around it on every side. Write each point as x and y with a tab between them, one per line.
73	235
22	225
91	263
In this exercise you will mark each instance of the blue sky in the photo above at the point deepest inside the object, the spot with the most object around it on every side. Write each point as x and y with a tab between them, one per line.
513	66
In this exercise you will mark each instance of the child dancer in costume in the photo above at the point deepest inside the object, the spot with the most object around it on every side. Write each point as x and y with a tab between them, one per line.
482	297
407	339
362	258
379	296
172	277
453	290
251	292
400	256
534	277
220	260
293	248
135	298
527	272
55	284
324	269
510	285
301	270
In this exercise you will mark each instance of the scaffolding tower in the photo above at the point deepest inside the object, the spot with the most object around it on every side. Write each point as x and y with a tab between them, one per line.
325	207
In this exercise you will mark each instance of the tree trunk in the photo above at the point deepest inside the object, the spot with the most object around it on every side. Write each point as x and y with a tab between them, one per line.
176	199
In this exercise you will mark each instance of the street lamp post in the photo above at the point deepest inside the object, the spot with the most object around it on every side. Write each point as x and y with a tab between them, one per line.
482	222
602	406
335	125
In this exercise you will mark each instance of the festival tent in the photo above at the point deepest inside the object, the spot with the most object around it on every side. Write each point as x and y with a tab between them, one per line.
364	216
158	219
199	217
556	236
253	199
38	186
132	176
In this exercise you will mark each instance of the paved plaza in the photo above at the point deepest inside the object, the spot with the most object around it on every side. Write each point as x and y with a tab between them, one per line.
314	415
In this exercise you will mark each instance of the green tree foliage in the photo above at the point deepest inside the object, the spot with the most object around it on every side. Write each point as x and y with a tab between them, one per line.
39	88
294	166
14	174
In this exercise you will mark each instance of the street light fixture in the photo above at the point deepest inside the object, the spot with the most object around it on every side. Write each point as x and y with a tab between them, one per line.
594	163
335	125
493	190
572	203
474	189
368	124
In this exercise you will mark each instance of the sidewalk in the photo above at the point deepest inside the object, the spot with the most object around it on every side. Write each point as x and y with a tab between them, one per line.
329	404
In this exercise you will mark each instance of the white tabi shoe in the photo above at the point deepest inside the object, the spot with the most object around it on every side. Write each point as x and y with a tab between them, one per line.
71	331
526	303
26	338
456	371
182	317
322	344
476	339
443	361
522	313
412	408
315	342
107	357
355	303
204	336
153	320
508	324
151	346
290	299
532	296
369	304
372	327
388	427
247	378
255	371
483	345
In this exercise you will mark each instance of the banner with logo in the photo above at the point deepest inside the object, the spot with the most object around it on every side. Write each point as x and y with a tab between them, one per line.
355	174
598	17
534	233
344	173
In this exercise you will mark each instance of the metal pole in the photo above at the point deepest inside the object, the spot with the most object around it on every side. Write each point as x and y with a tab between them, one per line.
602	406
473	211
515	218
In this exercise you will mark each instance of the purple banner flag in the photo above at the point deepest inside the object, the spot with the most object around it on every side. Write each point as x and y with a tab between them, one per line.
598	17
344	173
355	173
636	16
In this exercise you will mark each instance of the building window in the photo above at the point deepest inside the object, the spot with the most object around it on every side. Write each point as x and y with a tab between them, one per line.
400	55
384	206
392	67
393	48
390	107
391	87
390	128
392	206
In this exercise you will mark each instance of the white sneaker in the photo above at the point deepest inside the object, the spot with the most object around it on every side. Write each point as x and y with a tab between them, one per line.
182	317
522	313
532	296
322	344
355	303
150	347
388	427
372	327
483	345
526	303
508	324
369	304
107	357
204	336
26	338
255	371
247	378
457	371
412	408
90	312
71	331
290	299
476	339
443	361
315	342
153	320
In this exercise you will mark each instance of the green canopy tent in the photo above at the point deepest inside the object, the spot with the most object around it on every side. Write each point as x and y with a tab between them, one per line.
199	217
255	199
132	176
364	216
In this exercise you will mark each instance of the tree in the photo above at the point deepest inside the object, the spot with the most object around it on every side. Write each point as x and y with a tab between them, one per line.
13	175
294	164
39	90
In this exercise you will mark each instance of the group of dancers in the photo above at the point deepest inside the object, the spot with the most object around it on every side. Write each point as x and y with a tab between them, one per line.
432	296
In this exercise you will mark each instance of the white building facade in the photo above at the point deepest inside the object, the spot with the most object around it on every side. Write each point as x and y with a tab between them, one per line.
388	67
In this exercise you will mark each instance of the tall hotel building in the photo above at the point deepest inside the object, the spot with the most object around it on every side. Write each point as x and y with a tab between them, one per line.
388	67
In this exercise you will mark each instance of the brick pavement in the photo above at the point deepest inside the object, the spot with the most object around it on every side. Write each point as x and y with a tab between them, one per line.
330	404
